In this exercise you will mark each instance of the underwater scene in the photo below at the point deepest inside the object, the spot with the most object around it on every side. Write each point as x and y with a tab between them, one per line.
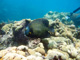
39	29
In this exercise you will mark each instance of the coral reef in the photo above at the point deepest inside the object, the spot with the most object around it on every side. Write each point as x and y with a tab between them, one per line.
14	34
55	42
6	28
63	16
20	53
56	54
2	32
24	40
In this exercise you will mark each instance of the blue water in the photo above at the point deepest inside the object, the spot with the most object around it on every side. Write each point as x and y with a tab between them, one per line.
21	9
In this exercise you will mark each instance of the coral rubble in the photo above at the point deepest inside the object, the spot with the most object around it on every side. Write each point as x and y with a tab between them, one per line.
61	41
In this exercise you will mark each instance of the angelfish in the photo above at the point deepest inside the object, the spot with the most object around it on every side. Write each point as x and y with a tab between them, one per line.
38	28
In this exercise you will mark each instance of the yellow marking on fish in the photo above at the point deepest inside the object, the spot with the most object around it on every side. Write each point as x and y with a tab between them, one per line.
29	32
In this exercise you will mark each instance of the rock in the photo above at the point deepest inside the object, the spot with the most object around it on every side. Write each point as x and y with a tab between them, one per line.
50	13
70	49
32	57
1	31
12	53
52	44
39	58
57	34
31	52
13	56
63	16
61	30
77	34
78	57
14	34
51	22
1	25
6	28
41	45
18	27
38	54
77	44
3	53
72	26
55	42
58	54
18	31
40	50
22	48
21	53
6	41
33	43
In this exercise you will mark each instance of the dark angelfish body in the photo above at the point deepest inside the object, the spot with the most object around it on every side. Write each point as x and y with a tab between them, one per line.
38	28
